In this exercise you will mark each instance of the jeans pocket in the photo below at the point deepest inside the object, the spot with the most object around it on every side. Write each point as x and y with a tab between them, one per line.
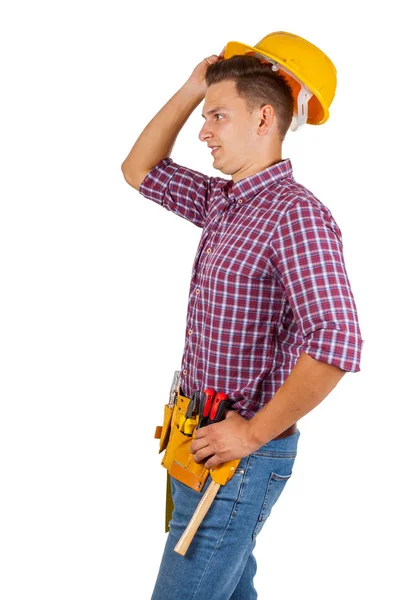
275	486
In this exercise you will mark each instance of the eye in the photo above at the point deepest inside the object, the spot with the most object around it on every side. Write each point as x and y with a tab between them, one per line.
218	115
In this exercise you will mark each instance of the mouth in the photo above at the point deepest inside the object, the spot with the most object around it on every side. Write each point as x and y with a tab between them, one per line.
215	149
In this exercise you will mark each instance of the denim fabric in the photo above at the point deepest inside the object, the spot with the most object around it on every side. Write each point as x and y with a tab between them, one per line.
219	563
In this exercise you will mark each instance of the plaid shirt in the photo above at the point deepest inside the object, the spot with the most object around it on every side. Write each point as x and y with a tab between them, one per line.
268	281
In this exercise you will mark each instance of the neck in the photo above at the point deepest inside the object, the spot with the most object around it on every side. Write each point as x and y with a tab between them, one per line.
251	168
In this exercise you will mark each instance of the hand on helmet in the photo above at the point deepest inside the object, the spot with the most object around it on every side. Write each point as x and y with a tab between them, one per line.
197	78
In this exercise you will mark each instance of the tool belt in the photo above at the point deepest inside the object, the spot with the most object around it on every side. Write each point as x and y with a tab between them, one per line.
179	461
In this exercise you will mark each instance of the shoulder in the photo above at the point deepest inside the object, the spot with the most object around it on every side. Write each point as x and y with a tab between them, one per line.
296	204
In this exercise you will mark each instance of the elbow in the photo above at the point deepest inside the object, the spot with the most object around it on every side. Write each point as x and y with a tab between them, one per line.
125	171
127	176
136	178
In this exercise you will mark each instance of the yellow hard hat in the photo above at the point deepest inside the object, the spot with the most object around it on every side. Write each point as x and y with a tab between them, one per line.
309	72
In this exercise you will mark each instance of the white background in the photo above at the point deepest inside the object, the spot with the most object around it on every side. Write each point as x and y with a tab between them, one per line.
94	286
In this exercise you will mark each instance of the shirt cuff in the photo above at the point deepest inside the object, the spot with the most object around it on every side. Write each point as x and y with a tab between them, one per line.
153	185
335	347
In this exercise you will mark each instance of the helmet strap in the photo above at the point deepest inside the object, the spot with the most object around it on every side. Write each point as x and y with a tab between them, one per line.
300	117
305	94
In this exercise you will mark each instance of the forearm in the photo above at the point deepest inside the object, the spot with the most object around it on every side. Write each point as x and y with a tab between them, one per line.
158	137
309	382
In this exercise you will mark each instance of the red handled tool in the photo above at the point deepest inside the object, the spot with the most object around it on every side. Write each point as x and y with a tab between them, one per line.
205	404
219	408
212	407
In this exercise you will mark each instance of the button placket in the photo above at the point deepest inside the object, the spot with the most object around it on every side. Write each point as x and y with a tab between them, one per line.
208	245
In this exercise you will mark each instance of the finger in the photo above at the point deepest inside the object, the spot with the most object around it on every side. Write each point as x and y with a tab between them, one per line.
198	445
211	59
213	462
202	432
202	454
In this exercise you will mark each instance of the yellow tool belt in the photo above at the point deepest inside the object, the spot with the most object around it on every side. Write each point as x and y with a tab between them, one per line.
178	460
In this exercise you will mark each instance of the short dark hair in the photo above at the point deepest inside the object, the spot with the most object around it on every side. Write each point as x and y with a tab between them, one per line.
257	84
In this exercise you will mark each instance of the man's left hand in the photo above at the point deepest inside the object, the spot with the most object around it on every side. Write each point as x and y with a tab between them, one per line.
227	440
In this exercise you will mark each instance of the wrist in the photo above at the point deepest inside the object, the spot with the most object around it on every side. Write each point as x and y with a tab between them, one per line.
255	441
198	92
257	435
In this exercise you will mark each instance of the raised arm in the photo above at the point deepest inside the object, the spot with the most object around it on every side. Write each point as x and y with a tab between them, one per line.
158	137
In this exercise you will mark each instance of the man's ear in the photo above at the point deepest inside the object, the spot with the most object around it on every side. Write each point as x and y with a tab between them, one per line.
267	117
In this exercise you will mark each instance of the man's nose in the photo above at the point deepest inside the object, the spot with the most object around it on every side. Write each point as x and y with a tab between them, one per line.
204	132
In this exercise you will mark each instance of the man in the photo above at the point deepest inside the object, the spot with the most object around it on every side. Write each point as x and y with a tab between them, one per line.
271	318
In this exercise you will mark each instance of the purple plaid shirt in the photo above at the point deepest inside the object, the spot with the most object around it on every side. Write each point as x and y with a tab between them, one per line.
268	281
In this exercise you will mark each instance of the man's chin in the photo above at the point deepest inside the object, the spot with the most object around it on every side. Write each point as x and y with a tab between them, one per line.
218	164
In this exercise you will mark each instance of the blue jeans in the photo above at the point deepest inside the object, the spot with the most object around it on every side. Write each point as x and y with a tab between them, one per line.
219	563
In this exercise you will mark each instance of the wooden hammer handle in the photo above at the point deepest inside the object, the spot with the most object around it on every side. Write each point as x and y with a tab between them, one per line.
198	516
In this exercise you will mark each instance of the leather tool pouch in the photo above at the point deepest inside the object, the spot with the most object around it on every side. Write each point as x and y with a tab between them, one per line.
178	460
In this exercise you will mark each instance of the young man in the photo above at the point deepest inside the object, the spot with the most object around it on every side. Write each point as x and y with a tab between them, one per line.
271	318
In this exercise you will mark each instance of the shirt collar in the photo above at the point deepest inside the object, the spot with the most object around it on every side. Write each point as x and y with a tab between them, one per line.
245	189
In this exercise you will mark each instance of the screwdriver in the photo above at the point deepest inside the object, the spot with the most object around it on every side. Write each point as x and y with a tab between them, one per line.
212	407
205	405
219	408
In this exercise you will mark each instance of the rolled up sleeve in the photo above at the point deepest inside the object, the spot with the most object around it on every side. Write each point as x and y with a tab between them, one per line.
185	192
307	259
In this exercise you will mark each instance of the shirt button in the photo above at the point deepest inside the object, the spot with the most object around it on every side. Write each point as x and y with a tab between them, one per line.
197	291
185	372
190	332
240	201
209	250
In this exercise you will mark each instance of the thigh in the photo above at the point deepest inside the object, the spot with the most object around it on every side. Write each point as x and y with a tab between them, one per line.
245	589
214	561
217	556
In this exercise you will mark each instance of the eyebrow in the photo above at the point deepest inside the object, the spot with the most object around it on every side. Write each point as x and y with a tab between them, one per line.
214	110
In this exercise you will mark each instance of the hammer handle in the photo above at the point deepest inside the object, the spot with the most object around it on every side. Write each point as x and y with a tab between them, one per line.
198	516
